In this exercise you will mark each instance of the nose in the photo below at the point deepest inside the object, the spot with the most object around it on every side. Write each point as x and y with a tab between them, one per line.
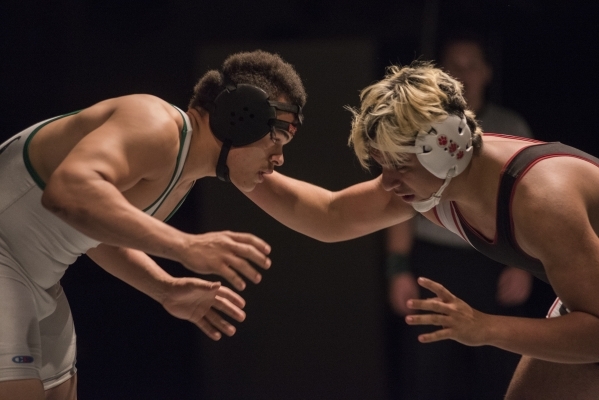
277	159
390	179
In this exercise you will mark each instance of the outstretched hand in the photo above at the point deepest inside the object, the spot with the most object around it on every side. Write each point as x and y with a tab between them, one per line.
458	320
202	302
227	254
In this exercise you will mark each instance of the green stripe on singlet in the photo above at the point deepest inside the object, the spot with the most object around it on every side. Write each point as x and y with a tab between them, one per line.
38	180
42	185
170	185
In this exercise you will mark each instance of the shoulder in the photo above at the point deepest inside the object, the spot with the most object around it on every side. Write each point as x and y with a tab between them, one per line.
139	116
553	198
151	108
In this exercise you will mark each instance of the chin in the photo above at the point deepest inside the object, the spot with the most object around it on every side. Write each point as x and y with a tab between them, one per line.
245	187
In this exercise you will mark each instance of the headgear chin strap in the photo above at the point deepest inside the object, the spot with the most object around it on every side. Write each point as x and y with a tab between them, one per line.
444	150
426	205
242	114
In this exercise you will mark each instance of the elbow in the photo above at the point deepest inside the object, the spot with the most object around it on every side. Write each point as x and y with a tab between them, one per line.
60	198
52	201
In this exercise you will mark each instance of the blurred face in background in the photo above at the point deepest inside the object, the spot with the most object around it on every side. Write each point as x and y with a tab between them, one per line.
465	61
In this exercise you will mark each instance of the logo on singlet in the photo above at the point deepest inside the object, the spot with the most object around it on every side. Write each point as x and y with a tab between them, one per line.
8	144
22	359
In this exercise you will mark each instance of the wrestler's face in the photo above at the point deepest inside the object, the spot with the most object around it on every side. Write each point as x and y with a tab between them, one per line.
248	165
410	180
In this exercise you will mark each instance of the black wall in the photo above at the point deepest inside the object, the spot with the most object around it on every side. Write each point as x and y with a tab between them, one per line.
62	55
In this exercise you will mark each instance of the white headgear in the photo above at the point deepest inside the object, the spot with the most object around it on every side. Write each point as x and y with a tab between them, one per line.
445	150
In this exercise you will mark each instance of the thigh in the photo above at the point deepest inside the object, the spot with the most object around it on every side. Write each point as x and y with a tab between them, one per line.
20	342
537	379
65	391
22	389
58	341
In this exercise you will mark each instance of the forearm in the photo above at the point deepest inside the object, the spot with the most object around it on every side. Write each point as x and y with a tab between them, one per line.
572	338
328	216
298	205
133	267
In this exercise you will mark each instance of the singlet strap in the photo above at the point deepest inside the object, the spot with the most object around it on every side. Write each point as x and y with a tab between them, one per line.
185	139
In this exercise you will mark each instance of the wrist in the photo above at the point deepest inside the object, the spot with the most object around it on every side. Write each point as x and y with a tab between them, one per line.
162	289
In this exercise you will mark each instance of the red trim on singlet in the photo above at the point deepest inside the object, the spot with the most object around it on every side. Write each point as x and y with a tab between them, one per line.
438	219
555	303
523	139
461	217
471	228
456	222
524	172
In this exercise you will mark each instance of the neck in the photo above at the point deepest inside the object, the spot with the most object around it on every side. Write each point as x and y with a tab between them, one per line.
204	149
475	189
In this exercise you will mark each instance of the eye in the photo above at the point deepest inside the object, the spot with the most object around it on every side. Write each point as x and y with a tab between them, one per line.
400	168
280	136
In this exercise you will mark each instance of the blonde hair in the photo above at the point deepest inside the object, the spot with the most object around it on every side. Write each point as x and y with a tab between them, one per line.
409	99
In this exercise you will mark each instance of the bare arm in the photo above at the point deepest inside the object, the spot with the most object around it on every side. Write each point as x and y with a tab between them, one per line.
87	191
191	299
552	223
571	338
329	216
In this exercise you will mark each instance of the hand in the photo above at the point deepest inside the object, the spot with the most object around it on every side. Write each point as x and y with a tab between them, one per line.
460	322
402	287
199	301
513	287
227	254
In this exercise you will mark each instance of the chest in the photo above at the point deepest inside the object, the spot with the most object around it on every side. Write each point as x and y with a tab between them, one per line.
159	197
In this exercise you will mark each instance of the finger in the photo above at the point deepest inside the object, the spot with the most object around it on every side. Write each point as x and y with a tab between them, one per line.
233	277
436	288
434	305
253	240
252	253
428	319
229	309
244	268
208	329
231	296
441	334
218	322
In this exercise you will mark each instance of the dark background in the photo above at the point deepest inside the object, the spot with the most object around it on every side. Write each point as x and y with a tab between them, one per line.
63	55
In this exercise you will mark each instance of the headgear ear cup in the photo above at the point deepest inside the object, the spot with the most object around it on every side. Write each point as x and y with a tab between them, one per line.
446	147
241	115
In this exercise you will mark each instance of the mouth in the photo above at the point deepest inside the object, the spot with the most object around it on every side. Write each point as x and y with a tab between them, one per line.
262	173
408	198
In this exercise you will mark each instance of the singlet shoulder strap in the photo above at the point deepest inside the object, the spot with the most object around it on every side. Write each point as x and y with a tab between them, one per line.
519	164
185	141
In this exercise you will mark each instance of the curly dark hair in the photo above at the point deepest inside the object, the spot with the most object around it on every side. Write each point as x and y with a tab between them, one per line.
265	70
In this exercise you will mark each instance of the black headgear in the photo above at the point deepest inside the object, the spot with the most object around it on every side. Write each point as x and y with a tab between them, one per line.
242	114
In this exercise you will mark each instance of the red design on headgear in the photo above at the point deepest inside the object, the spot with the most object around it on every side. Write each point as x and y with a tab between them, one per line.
460	154
442	140
453	147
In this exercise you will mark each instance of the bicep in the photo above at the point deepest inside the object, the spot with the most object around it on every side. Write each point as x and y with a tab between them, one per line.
559	234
